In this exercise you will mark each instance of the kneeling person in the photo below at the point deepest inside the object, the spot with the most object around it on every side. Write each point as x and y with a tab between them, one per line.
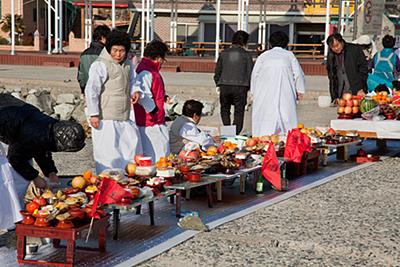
184	128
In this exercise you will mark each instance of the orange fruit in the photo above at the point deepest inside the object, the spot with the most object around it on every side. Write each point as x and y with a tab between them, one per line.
87	174
300	126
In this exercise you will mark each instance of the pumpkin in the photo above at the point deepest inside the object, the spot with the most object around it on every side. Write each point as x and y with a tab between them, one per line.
79	182
367	104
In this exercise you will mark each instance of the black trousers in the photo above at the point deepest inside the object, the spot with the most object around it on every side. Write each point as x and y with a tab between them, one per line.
237	96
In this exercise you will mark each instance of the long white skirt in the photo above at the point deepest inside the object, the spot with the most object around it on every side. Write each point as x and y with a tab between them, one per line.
12	191
155	140
115	144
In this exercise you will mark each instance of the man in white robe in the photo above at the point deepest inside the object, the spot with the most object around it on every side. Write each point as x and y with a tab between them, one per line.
277	83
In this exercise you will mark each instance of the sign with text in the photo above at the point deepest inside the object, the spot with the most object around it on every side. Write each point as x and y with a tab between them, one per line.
373	15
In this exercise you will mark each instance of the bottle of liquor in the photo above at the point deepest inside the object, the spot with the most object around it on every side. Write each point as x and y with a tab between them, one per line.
284	179
259	185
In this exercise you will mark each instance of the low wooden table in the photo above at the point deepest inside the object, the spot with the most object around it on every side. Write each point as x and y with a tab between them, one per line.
70	235
187	186
136	207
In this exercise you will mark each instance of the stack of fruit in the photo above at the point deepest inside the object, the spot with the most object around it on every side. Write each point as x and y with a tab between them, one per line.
387	111
382	98
348	106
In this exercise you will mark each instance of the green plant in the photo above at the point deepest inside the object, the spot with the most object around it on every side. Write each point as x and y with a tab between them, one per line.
19	25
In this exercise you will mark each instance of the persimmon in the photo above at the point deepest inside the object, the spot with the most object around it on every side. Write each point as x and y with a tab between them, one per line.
87	174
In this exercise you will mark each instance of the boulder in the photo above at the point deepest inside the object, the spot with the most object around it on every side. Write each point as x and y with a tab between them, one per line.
64	111
65	99
79	113
42	100
16	95
208	109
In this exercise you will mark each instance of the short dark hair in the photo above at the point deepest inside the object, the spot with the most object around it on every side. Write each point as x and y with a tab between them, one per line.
100	31
335	36
191	107
396	85
240	38
382	88
155	49
388	41
116	37
279	39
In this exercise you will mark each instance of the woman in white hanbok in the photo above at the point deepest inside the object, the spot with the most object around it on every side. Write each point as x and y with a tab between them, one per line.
12	191
109	96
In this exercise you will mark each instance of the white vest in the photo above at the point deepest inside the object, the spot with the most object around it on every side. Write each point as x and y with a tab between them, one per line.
115	101
176	142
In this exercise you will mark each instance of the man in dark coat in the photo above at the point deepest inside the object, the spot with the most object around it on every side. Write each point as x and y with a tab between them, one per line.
91	53
232	76
347	68
30	134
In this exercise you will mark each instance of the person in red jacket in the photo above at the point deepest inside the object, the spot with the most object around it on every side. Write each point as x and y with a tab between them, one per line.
149	111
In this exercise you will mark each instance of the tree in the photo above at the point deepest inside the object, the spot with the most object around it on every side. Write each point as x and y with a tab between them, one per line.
19	25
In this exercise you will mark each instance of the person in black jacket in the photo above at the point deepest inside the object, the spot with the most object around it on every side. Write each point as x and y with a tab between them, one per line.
30	134
91	53
232	76
347	68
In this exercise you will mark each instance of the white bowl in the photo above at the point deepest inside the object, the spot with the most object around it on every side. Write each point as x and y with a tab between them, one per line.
324	101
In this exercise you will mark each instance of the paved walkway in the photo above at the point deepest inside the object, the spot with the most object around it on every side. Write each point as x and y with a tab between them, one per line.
68	75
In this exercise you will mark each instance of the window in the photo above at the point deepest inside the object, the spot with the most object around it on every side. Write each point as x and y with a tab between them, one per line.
187	32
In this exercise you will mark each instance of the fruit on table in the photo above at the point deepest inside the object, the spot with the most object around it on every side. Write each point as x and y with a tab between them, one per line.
382	98
189	155
79	182
355	110
367	104
32	206
130	169
212	151
348	110
347	96
251	142
87	174
331	131
340	110
40	201
300	126
342	103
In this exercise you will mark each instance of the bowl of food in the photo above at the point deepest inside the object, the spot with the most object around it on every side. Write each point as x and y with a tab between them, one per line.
193	177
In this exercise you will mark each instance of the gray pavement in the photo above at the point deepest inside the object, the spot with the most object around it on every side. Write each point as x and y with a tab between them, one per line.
351	221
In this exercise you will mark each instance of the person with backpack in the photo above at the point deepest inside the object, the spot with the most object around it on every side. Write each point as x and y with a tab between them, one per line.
385	65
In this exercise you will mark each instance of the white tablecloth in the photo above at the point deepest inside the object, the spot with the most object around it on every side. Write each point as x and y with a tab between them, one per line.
388	129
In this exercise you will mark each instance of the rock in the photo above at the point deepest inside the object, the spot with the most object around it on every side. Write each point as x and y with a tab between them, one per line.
41	100
17	95
178	107
79	113
208	109
64	111
17	90
24	92
65	99
32	91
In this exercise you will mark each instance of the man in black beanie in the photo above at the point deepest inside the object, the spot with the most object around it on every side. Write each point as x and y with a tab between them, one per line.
30	134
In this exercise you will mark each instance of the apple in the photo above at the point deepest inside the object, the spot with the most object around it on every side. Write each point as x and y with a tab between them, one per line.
137	158
356	103
251	142
355	110
342	102
93	180
340	110
40	201
347	96
348	110
349	103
